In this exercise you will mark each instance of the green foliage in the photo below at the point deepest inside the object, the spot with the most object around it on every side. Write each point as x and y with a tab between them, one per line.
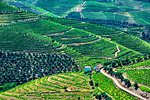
7	86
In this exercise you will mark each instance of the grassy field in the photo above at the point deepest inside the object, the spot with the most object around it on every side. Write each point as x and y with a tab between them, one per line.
138	75
67	86
109	87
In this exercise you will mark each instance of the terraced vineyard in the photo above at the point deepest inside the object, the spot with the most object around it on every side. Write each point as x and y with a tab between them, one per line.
105	11
108	86
98	30
11	14
75	36
131	42
68	86
141	17
104	48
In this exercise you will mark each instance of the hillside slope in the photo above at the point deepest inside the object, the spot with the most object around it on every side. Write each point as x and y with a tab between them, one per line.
67	86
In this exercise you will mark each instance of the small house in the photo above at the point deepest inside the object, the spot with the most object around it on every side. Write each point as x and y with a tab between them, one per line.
87	68
98	67
90	35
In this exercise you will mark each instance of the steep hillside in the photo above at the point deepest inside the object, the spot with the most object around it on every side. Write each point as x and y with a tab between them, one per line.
57	7
109	11
11	14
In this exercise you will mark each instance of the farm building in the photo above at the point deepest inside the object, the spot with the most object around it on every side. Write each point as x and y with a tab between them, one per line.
87	68
98	67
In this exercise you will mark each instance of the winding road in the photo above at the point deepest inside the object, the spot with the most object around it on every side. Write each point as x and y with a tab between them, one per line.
120	86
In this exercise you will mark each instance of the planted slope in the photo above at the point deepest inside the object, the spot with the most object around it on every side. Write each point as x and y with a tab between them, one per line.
75	36
6	7
138	75
68	86
15	37
11	14
131	42
106	49
58	7
109	87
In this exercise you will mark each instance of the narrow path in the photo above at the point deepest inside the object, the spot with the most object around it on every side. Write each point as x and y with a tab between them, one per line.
117	51
61	47
32	97
120	86
71	38
85	42
45	13
81	7
58	33
107	57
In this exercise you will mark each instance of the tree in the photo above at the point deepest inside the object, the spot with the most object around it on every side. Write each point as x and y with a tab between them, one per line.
96	84
98	97
121	77
144	35
127	82
78	98
91	83
136	86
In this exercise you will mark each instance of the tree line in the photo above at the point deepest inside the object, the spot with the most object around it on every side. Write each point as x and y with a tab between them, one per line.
18	68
